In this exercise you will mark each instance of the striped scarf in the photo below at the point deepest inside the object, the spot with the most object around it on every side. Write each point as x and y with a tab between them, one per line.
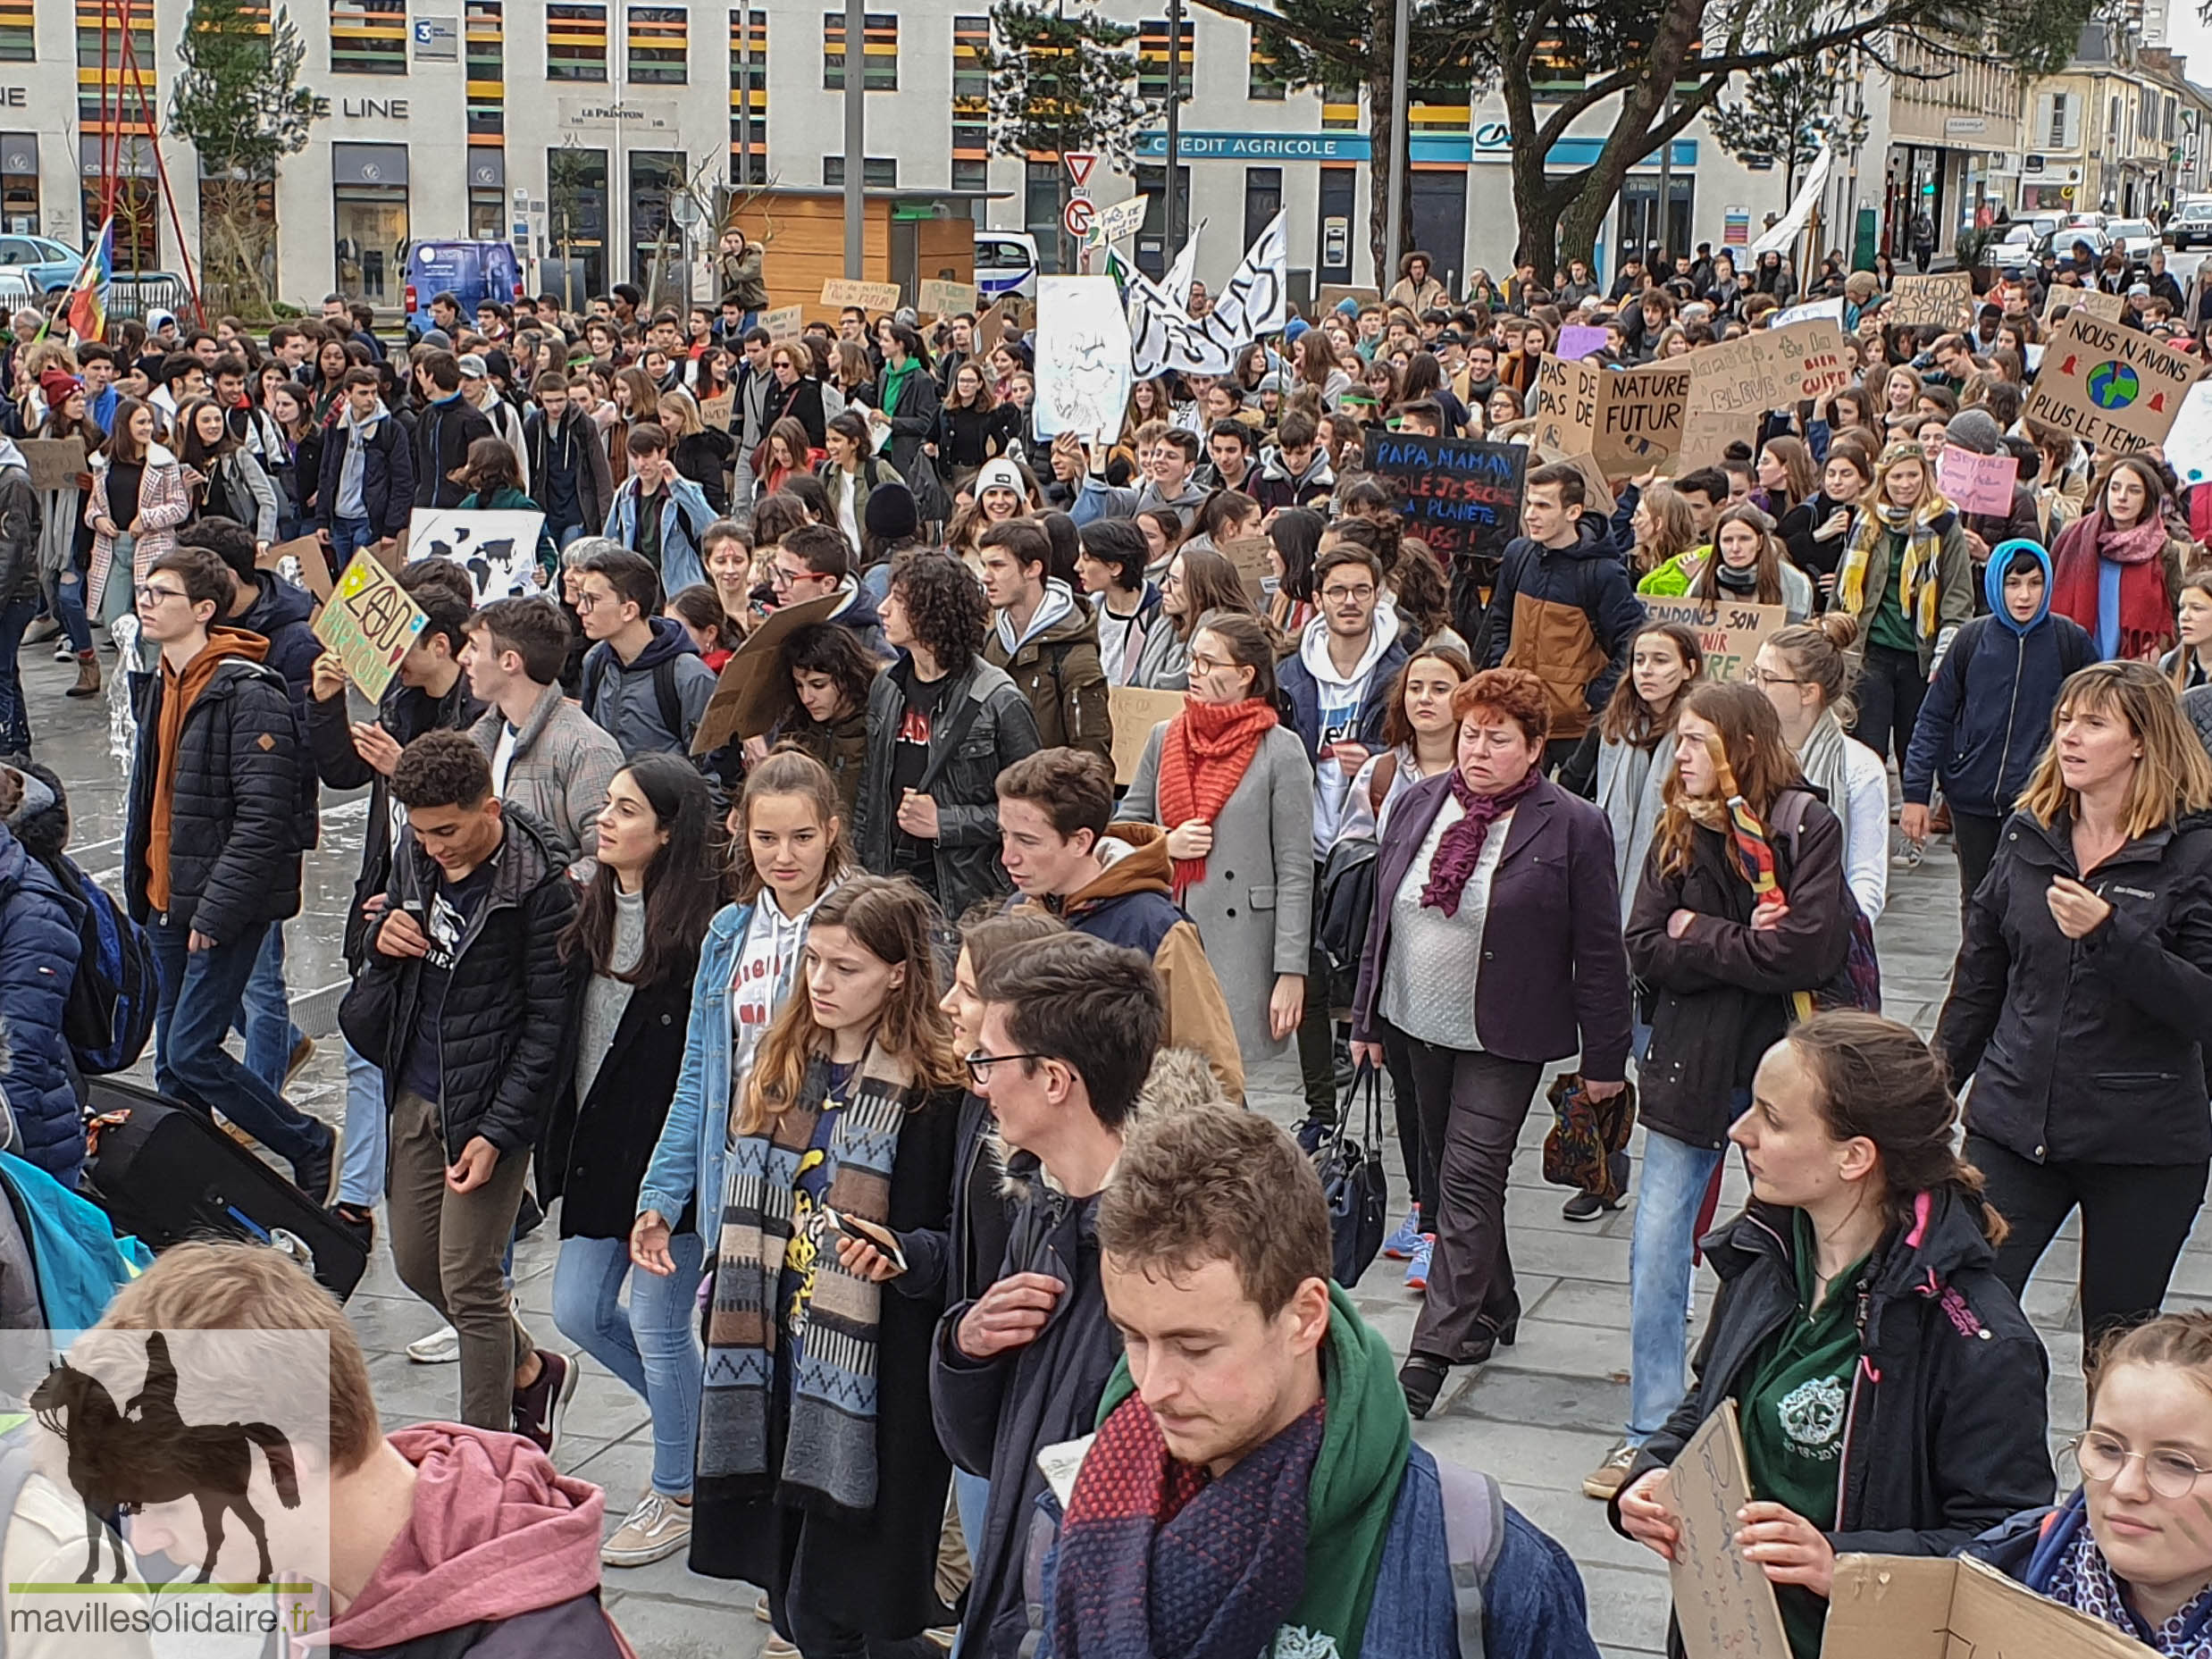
829	1450
1921	545
1754	852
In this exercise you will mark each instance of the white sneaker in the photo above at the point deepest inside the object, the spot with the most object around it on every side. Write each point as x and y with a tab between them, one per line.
776	1648
442	1346
656	1529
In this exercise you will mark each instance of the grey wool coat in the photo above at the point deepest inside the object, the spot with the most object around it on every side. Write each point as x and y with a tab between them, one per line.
1253	907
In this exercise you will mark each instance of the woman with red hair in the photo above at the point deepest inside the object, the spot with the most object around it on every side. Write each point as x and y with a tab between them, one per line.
1492	865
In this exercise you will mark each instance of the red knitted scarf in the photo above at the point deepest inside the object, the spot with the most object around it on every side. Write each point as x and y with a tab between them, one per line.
1203	758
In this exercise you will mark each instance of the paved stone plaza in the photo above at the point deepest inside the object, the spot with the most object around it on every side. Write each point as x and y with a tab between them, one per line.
1538	1417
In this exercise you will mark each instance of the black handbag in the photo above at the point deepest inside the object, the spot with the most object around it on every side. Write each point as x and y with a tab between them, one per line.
1353	1180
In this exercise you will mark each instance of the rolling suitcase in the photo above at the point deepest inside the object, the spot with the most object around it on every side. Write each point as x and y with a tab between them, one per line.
165	1172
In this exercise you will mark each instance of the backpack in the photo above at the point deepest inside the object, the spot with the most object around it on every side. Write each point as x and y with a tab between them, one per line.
110	1012
1859	984
665	700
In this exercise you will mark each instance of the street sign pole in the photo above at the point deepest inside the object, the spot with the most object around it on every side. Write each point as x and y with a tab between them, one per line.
1174	122
856	140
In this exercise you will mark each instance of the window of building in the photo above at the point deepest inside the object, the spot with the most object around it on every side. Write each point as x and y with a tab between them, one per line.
368	37
1155	245
576	226
879	51
369	204
878	172
748	96
575	43
104	95
1152	59
1041	211
971	104
1263	80
487	195
2058	121
655	240
19	183
657	35
485	43
249	204
1264	199
18	34
1340	109
1440	99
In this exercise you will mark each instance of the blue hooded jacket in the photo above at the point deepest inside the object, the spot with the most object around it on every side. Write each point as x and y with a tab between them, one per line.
38	950
1987	715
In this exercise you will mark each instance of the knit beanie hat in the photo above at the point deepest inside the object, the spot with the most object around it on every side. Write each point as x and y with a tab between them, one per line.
890	515
1976	430
55	385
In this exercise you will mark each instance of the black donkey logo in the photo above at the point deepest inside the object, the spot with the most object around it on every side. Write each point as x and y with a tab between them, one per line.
125	1461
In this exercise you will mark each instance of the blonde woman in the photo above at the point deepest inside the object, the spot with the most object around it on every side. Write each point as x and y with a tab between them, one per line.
1907	579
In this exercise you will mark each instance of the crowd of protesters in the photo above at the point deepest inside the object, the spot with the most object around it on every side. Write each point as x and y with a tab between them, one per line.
897	1076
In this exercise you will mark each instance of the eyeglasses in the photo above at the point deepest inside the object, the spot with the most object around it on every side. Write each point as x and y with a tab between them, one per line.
778	577
147	590
2170	1474
1760	677
979	1063
588	601
1348	595
1202	663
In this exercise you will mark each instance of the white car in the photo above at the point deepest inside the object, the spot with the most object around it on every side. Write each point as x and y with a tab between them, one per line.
2192	222
2138	240
1006	262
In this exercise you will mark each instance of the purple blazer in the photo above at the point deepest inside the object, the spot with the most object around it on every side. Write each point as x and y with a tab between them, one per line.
1554	978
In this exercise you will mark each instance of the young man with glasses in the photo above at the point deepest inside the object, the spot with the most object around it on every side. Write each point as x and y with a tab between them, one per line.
220	805
644	682
1070	1026
814	562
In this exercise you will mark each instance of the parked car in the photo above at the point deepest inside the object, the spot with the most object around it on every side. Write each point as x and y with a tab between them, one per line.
468	271
47	264
1006	262
2192	222
2137	238
2014	254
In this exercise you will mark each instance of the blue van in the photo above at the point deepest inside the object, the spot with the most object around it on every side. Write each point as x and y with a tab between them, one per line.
468	271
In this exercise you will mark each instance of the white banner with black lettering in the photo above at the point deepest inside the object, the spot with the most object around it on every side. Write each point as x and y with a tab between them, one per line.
1256	301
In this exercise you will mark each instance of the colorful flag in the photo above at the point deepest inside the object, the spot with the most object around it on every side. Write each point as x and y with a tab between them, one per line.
86	310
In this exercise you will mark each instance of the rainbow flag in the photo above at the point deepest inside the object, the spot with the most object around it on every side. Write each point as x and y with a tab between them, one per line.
85	309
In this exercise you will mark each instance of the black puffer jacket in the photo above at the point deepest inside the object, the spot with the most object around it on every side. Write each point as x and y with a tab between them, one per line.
407	714
19	526
2087	1051
969	748
1719	996
1946	1432
244	803
596	1150
508	1034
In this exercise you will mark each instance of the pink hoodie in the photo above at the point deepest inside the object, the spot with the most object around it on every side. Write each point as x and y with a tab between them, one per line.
496	1531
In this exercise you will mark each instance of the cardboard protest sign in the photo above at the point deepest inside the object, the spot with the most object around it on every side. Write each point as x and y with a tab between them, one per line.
2110	307
1083	356
1626	420
747	696
499	549
2110	385
945	299
369	623
1135	713
1940	299
1723	1604
1331	295
1578	339
870	297
785	323
1116	220
718	412
1731	632
1250	555
314	565
1769	369
1707	436
1976	483
1460	496
1915	1607
1008	314
53	462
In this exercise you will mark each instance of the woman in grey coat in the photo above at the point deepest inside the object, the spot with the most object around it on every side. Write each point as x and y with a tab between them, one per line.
1231	786
1635	750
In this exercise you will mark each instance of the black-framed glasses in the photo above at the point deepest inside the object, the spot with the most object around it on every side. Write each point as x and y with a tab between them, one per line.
2170	1474
979	1063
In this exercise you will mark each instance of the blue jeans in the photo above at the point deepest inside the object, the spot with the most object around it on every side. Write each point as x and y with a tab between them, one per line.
971	1498
567	533
15	616
199	994
69	606
361	1169
651	1348
1675	1174
346	535
265	1014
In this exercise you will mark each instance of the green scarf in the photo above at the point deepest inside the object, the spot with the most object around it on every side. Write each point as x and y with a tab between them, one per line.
894	383
1356	1477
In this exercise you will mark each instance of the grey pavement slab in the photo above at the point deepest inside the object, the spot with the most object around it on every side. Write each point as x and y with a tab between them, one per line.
1538	1416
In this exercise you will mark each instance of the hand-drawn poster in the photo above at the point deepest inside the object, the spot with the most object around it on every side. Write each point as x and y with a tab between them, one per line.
499	549
1083	356
2111	387
1723	1604
369	623
1976	483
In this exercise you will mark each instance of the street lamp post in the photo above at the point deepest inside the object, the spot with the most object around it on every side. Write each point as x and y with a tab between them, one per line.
1393	215
856	139
1174	122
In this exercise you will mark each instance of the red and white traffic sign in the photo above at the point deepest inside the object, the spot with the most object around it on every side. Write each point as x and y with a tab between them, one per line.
1079	164
1076	217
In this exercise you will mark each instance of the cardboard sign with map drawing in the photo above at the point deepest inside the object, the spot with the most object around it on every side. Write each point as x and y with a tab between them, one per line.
747	698
1723	1604
1626	420
1941	299
1731	632
497	548
2110	385
369	623
1136	712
